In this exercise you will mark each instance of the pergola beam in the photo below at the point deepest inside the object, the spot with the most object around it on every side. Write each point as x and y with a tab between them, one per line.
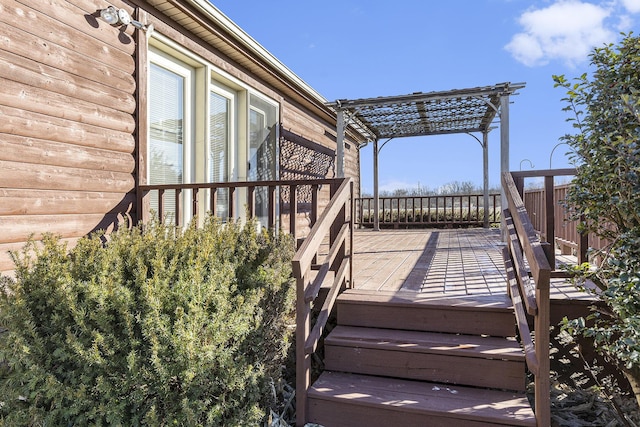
430	96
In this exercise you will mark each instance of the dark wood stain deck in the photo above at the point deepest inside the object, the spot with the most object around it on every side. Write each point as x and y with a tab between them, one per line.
438	263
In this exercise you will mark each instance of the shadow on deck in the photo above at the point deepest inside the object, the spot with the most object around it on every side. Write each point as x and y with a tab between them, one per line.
440	263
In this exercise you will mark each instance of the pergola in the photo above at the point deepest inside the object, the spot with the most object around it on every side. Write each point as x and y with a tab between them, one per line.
434	113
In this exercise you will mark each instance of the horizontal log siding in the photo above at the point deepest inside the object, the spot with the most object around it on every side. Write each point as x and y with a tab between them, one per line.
67	133
68	103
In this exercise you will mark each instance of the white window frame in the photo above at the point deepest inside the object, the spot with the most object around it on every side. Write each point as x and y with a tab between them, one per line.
188	73
203	78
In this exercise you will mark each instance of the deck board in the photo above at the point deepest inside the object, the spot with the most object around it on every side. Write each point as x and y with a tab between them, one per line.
462	405
437	263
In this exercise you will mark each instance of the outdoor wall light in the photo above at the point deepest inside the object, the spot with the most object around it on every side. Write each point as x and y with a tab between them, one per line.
115	17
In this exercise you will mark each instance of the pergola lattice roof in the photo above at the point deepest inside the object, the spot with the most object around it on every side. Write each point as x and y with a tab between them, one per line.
432	113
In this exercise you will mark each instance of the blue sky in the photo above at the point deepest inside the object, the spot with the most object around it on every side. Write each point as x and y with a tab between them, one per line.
367	48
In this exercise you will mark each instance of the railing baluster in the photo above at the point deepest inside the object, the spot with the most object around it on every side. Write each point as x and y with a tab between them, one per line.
293	210
213	201
178	213
315	189
161	205
271	221
231	203
194	202
251	201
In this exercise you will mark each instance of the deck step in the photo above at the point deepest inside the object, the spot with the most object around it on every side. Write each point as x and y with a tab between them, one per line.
469	314
491	362
340	399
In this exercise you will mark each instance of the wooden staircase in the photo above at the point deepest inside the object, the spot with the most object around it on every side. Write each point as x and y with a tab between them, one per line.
401	358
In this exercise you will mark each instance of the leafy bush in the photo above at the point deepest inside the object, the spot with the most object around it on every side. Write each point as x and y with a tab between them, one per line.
158	327
606	195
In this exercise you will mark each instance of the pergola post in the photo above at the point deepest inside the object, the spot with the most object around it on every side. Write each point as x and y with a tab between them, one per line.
340	144
376	199
485	176
504	148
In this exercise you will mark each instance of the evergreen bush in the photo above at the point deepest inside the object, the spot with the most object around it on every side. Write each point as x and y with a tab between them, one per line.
161	326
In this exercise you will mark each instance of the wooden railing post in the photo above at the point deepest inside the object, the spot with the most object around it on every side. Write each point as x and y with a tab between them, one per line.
543	380
550	226
352	203
142	208
303	360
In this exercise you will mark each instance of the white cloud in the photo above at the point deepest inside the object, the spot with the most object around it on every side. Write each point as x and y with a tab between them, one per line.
632	6
567	30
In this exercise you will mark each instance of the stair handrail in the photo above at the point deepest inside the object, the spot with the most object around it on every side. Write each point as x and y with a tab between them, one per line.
336	221
523	242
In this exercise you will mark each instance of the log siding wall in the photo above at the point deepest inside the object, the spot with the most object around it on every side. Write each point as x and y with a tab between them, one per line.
69	103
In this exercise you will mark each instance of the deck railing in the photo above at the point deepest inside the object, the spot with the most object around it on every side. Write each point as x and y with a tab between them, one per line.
225	199
525	259
417	211
310	270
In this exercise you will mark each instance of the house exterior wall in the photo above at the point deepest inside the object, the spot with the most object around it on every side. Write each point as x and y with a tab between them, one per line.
72	150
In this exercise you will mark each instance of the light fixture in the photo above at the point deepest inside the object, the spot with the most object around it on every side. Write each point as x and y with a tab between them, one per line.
115	17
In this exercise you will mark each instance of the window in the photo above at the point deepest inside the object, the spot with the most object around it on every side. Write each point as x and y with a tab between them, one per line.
170	109
221	125
206	126
262	150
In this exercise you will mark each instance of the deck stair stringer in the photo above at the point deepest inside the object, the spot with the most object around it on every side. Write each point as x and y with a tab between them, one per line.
399	358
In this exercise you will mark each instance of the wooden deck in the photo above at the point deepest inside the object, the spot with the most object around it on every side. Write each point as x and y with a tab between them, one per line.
438	263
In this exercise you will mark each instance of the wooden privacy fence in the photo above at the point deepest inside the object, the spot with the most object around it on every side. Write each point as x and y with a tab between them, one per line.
524	260
415	211
565	231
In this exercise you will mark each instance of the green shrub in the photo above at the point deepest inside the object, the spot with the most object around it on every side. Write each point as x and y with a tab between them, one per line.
156	327
605	196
